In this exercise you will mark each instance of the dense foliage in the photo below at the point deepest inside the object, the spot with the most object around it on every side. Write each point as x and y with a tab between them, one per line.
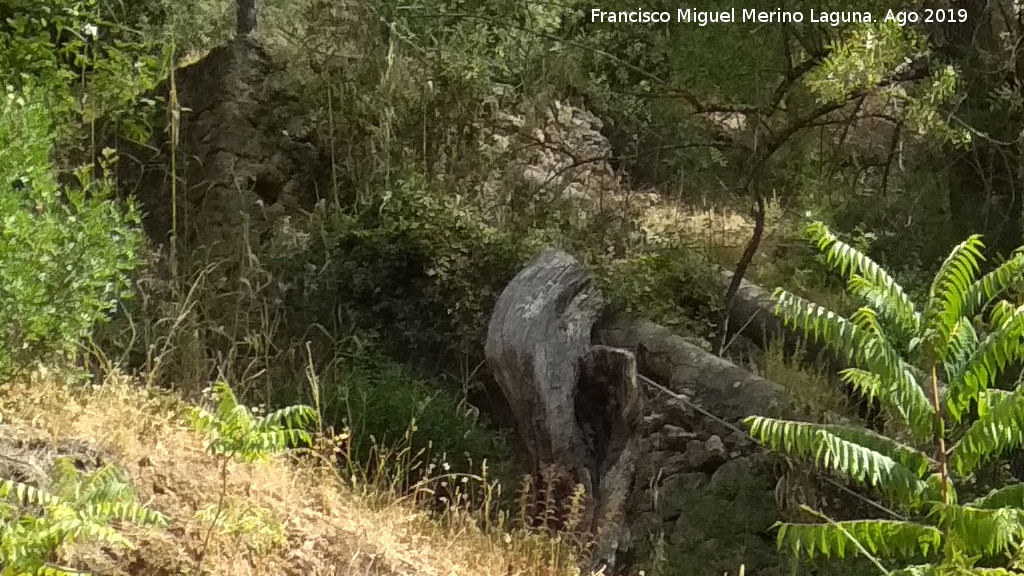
35	525
898	352
430	122
65	250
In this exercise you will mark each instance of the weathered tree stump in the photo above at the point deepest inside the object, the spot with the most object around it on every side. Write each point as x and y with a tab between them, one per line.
537	337
610	406
575	406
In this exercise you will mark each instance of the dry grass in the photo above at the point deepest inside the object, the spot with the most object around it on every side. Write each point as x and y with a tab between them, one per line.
720	230
290	515
818	394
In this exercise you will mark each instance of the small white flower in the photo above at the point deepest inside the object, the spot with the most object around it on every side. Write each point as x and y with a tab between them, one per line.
91	30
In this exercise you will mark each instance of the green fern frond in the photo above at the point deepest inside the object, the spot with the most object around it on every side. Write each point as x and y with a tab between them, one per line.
885	538
991	285
107	484
1000	313
867	384
829	448
1011	496
963	343
77	528
125	511
860	344
989	399
905	325
298	416
997	431
864	347
946	296
820	324
233	430
1001	347
850	262
982	530
24	495
914	460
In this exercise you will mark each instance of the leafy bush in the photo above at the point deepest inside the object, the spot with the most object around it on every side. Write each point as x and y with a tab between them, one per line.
419	270
65	250
671	286
386	406
233	430
898	353
94	60
35	525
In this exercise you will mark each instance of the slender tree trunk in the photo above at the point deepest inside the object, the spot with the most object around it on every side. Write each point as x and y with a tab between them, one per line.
246	23
741	270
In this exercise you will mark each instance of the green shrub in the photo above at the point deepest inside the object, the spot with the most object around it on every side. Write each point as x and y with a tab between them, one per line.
385	405
943	433
35	524
420	270
672	287
65	250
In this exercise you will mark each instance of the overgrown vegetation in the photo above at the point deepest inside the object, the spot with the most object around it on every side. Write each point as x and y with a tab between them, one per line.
928	468
446	144
36	525
50	301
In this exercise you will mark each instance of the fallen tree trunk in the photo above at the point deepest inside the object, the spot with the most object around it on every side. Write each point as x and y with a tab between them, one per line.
715	383
752	314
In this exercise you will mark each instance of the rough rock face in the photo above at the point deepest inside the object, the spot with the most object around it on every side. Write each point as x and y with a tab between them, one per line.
238	168
703	491
703	498
558	159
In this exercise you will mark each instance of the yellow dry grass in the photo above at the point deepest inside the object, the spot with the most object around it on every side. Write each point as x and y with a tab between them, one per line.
310	523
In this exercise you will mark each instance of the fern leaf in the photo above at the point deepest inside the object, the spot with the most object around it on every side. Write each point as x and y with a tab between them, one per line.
862	343
1011	496
963	343
904	326
859	341
988	287
820	324
831	451
982	530
885	538
946	296
998	430
1001	347
902	397
24	495
989	399
125	511
914	460
298	416
851	262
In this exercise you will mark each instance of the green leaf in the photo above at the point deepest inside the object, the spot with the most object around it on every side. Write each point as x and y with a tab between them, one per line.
829	448
885	538
997	431
868	279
